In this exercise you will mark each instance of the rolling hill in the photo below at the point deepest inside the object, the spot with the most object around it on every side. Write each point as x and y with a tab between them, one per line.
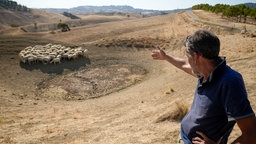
10	18
32	105
112	9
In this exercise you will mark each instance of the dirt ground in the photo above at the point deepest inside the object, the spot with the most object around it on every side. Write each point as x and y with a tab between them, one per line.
118	95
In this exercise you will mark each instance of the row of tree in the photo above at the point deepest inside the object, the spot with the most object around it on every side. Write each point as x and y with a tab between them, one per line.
13	5
70	15
238	11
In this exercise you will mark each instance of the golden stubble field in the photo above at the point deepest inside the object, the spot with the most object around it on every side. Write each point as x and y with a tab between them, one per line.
131	91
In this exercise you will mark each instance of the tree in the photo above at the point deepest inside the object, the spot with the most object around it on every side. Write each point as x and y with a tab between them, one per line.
63	26
220	8
243	12
238	11
35	25
253	13
13	5
247	12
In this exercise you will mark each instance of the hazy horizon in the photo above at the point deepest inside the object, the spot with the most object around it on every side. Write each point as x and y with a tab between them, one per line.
142	4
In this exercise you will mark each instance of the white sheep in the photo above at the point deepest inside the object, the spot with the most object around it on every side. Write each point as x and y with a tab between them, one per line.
30	58
67	49
50	53
85	53
65	55
72	56
40	58
55	60
46	59
22	58
79	52
28	48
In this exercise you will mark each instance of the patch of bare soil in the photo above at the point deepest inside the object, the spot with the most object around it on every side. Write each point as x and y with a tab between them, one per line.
231	22
119	95
140	42
90	82
15	19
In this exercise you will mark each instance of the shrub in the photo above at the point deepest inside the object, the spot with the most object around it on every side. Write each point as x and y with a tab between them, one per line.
63	26
23	29
70	15
52	32
14	25
175	115
180	111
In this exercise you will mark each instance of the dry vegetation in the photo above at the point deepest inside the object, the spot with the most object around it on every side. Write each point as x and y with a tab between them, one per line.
175	114
121	95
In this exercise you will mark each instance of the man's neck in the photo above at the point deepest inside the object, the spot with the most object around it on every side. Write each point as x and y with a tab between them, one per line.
206	69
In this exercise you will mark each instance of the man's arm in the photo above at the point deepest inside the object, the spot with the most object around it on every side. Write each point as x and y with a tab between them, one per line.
177	62
248	129
246	125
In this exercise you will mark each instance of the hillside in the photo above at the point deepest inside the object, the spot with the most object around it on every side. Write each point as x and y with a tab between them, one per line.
136	96
9	18
12	21
113	9
250	5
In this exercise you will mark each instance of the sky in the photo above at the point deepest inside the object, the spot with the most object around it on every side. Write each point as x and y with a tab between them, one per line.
143	4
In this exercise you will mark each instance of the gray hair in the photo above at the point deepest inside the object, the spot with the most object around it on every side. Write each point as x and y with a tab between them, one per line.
205	43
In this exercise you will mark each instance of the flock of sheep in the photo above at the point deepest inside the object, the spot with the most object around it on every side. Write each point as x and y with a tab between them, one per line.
50	53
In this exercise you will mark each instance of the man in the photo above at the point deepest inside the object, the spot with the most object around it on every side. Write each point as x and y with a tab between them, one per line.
220	98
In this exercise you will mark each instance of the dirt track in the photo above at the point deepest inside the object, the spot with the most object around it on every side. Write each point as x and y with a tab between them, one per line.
125	116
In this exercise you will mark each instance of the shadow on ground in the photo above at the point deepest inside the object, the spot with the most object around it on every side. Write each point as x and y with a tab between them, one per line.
57	68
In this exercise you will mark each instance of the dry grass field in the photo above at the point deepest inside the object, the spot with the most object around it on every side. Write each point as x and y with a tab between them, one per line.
121	95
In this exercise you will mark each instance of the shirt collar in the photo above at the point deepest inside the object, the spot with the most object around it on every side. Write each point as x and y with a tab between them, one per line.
215	72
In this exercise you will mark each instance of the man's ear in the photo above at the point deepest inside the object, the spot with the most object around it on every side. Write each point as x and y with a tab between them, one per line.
196	57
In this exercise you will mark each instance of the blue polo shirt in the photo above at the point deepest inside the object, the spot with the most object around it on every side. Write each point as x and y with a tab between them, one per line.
218	103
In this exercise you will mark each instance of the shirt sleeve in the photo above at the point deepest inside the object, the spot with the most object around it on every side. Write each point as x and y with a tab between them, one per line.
236	103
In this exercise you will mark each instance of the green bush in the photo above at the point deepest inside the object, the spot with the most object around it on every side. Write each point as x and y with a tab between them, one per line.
14	25
63	26
52	32
23	29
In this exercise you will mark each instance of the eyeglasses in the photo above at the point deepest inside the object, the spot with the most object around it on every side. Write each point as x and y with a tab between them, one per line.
186	41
